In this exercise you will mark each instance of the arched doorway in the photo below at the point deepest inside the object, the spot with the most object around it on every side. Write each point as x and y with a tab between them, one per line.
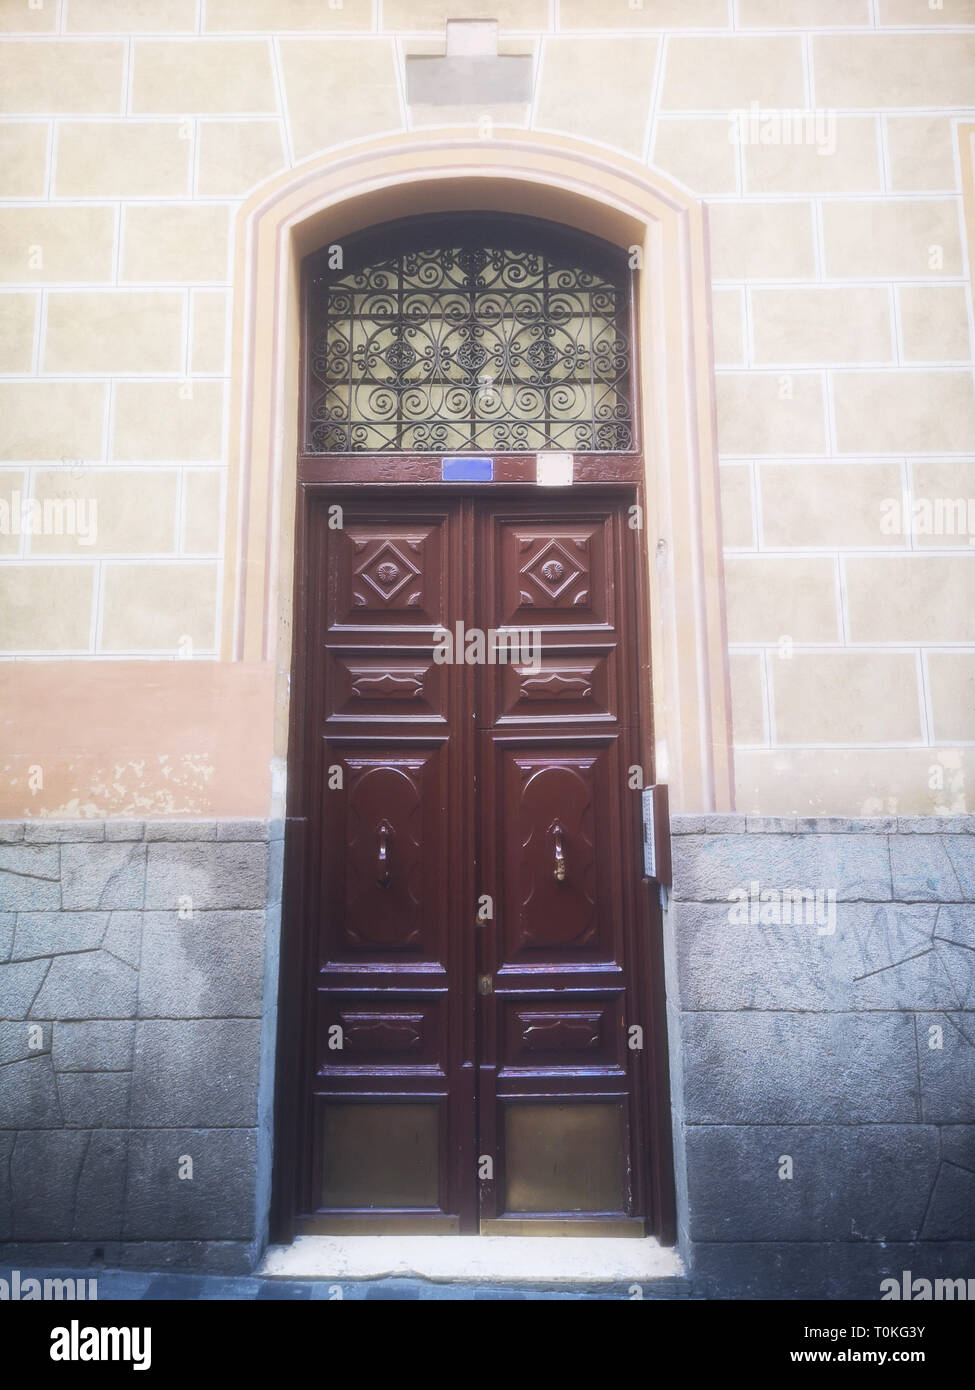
593	190
476	967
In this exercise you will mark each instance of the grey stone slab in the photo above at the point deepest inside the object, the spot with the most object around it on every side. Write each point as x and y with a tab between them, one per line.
181	831
820	1269
19	983
216	1203
30	878
958	1146
956	922
22	1040
106	876
688	824
123	938
122	1284
95	1100
11	832
847	825
100	1195
8	921
457	81
946	1062
242	830
125	830
922	869
709	868
99	1045
958	963
771	825
45	1168
922	981
275	873
210	966
800	1068
725	964
936	825
207	875
52	832
961	852
216	1256
195	1073
725	823
57	933
849	1182
94	985
7	1140
951	1211
28	1095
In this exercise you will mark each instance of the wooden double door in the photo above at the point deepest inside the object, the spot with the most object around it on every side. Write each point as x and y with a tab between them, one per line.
479	997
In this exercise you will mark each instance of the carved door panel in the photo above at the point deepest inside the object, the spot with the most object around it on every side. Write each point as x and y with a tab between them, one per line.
559	1089
390	1069
469	1070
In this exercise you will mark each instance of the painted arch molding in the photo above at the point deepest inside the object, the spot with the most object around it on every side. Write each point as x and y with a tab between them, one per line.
584	186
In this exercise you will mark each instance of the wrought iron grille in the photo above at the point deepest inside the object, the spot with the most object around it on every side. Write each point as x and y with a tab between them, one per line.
469	336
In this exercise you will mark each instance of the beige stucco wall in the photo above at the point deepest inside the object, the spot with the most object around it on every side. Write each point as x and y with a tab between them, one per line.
131	131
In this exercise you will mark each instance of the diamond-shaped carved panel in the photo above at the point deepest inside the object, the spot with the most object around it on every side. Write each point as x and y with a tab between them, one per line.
389	573
554	576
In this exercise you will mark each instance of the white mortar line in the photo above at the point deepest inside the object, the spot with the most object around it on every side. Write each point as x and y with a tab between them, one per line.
399	69
282	100
51	154
40	332
924	698
842	601
768	717
649	147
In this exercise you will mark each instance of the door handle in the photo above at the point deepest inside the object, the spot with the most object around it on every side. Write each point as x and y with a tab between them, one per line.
559	870
383	877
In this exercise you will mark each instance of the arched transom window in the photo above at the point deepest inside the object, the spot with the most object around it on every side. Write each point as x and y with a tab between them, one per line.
470	332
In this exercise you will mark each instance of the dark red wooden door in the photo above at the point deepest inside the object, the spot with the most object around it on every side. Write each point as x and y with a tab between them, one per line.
477	1022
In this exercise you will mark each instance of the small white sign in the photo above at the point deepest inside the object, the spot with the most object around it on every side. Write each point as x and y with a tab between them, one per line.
649	837
553	470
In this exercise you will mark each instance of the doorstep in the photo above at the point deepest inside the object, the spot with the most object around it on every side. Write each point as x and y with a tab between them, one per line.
549	1260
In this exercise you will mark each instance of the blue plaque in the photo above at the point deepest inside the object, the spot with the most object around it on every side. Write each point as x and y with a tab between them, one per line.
464	470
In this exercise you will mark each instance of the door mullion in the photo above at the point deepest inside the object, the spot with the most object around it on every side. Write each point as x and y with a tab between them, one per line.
464	683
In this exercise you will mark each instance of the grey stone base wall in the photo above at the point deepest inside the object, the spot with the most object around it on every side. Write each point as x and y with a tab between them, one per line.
135	1010
844	1044
138	987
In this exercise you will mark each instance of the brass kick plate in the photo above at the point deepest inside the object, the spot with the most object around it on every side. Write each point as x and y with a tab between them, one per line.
624	1226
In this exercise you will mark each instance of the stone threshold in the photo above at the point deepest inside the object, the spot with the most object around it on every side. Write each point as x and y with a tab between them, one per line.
474	1259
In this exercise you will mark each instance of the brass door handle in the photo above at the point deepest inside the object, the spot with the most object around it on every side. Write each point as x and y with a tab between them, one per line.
559	870
383	877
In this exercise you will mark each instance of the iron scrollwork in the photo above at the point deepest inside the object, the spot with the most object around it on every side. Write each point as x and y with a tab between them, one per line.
436	348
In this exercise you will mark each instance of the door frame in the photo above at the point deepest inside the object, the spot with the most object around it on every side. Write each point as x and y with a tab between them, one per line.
320	479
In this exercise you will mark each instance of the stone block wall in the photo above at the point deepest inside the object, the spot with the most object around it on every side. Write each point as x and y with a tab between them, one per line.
132	1006
138	988
843	1043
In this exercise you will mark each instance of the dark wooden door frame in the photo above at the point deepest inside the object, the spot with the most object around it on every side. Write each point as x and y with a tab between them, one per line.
355	476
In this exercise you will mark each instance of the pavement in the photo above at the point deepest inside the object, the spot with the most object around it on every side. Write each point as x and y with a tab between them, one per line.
119	1284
